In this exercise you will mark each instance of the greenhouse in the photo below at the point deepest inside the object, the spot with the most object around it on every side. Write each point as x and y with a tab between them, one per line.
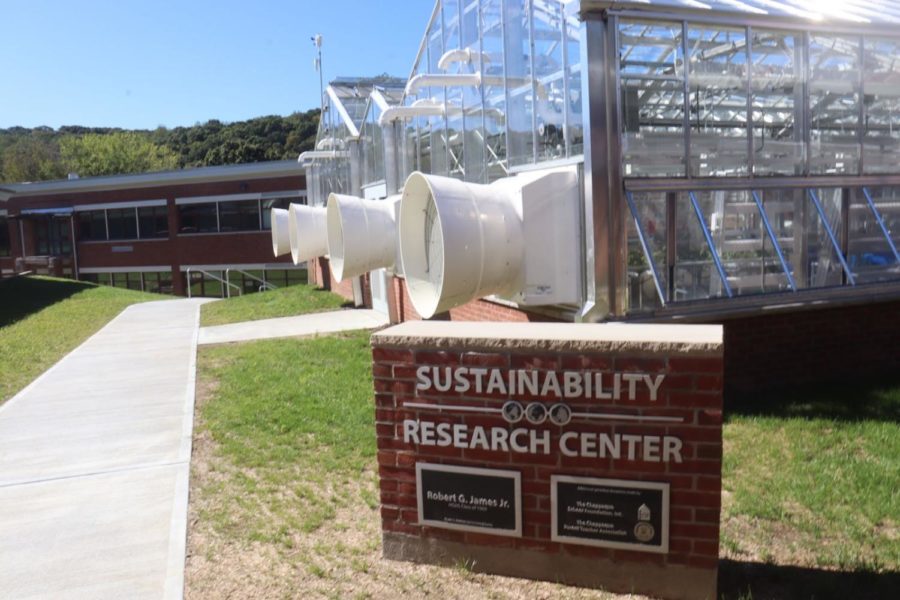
730	155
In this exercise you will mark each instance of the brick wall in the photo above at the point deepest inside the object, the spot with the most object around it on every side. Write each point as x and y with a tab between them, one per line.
692	390
322	276
477	310
812	346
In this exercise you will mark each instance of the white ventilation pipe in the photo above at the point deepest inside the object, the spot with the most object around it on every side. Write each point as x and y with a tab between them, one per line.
310	155
362	234
518	237
307	231
281	236
466	55
419	108
441	79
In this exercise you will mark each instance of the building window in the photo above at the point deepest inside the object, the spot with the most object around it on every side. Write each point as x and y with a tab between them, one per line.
4	236
92	225
198	218
122	224
153	222
283	203
242	215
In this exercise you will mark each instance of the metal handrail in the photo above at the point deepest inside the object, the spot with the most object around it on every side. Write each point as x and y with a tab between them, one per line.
265	284
225	290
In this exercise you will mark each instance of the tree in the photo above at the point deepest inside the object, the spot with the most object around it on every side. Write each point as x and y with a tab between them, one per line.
31	159
115	153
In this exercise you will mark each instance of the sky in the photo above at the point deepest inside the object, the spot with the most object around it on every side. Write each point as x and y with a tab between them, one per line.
141	64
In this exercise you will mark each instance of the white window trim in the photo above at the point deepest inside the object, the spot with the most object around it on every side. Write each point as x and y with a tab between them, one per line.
215	199
115	205
141	269
245	267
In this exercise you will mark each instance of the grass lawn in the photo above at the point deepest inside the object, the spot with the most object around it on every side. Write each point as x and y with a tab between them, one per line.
283	302
43	318
284	497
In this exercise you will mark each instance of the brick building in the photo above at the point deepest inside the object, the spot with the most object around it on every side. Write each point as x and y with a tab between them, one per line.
153	231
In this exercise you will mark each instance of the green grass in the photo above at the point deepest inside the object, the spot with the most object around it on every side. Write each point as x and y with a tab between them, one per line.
816	475
42	319
283	302
295	420
811	481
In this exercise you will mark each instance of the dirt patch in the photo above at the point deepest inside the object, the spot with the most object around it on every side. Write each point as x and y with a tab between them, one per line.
339	558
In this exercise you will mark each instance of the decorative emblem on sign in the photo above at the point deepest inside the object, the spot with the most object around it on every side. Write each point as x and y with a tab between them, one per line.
512	411
644	532
643	513
536	413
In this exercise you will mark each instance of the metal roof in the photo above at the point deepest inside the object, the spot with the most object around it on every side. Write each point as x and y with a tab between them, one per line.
876	13
281	168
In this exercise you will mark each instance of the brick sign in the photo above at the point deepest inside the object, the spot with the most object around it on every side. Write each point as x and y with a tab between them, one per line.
586	454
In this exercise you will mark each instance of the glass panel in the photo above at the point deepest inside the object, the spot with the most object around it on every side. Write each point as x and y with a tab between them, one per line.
549	71
834	104
868	252
4	236
718	101
494	92
652	83
134	281
283	203
785	209
90	277
881	82
92	225
695	273
242	215
748	256
519	57
573	76
296	276
823	265
154	221
642	294
122	224
120	280
776	78
197	218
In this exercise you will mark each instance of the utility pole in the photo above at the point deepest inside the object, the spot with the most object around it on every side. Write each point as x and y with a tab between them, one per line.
317	40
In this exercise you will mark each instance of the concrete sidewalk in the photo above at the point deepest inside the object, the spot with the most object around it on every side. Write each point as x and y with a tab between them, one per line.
94	463
301	325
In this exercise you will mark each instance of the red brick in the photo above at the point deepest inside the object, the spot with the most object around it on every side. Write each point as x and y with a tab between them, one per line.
709	382
696	365
709	417
482	359
708	562
379	370
577	362
694	399
405	459
431	357
696	499
389	513
706	532
680	545
387	458
534	361
709	451
390	355
706	515
639	557
406	372
640	365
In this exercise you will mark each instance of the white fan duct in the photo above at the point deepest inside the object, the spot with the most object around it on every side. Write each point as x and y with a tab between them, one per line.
306	227
281	237
518	238
362	234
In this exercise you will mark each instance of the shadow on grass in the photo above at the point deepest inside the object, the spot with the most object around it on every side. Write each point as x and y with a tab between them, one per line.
346	304
22	296
752	581
859	401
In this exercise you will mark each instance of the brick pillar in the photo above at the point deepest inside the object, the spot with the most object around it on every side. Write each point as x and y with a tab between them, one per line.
613	472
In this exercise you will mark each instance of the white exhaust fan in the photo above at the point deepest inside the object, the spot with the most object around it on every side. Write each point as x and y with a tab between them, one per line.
518	238
281	237
362	234
306	229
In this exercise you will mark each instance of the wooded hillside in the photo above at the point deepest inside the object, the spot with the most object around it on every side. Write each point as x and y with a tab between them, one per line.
44	153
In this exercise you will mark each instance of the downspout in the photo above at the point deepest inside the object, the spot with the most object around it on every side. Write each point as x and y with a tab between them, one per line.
75	249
